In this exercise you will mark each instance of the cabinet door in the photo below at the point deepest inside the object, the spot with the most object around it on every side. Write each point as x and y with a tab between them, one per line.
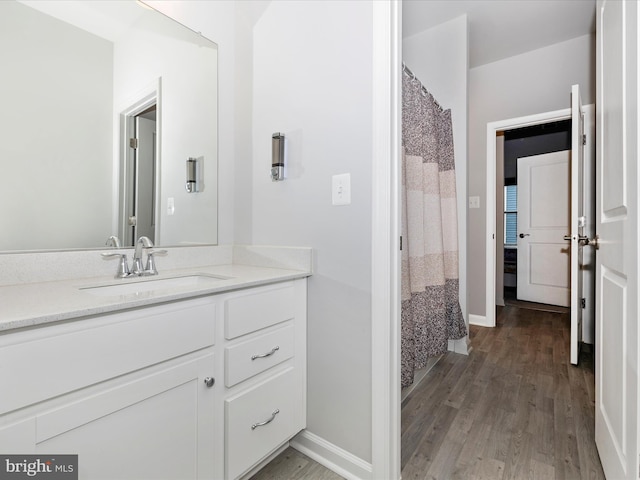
18	438
156	427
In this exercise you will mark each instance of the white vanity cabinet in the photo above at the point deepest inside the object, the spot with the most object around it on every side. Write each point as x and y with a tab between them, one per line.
126	392
265	372
203	388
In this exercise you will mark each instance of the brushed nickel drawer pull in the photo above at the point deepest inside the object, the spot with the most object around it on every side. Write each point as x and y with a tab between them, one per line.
260	424
268	354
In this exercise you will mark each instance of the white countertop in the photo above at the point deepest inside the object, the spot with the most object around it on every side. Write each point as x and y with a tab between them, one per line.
31	304
40	303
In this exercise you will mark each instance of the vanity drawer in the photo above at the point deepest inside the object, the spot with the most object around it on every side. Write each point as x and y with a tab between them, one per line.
254	311
246	359
253	428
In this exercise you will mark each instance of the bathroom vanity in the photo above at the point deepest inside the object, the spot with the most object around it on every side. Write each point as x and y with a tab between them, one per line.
189	379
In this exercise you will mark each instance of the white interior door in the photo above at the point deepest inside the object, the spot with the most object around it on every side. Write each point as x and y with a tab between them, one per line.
543	221
616	349
578	221
145	177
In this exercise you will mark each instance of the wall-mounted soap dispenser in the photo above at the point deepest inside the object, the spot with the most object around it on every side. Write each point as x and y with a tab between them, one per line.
277	157
192	175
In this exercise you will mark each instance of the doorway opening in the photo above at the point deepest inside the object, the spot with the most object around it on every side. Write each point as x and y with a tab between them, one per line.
532	202
139	167
493	137
495	293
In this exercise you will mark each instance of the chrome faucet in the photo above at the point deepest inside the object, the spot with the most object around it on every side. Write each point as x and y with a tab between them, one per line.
123	267
113	241
136	269
143	242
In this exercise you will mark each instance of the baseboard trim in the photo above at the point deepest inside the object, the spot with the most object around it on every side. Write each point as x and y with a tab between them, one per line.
462	345
334	458
478	320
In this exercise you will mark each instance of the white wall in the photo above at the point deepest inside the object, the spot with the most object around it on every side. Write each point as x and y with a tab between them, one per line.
312	81
535	82
439	58
44	145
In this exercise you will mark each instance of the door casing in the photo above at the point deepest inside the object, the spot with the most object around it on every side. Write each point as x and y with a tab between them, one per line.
492	130
509	124
145	99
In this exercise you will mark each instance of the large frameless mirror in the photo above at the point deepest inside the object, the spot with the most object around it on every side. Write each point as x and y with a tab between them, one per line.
108	108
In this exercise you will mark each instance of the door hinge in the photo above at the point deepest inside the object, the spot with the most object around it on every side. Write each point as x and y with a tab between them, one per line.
584	139
401	242
583	302
133	143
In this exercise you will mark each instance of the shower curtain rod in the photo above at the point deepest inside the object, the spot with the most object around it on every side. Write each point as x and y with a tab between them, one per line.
423	89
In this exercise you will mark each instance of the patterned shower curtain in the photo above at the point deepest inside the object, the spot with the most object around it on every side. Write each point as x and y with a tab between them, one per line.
431	313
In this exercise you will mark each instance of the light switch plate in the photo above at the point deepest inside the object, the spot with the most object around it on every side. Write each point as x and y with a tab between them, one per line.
341	189
474	202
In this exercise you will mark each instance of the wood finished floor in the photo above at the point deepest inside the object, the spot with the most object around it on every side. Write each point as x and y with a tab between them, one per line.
514	408
293	465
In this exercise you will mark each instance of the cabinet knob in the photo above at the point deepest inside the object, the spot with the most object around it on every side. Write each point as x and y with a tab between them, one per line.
209	381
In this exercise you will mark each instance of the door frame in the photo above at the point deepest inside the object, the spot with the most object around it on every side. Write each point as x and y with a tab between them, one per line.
144	99
385	255
492	129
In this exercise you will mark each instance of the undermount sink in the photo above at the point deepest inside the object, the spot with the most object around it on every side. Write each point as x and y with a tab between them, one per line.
145	285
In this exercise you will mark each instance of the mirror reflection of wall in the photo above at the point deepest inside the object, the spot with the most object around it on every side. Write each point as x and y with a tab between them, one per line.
60	151
50	162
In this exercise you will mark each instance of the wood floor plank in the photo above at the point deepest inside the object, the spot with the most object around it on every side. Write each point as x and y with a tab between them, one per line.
500	438
419	414
472	450
428	448
489	469
458	394
293	465
467	413
444	463
584	421
540	470
517	463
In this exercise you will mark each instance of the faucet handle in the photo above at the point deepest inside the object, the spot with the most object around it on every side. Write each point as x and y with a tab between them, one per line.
123	265
113	241
150	269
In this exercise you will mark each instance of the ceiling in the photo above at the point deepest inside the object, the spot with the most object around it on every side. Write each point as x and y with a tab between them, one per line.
503	28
